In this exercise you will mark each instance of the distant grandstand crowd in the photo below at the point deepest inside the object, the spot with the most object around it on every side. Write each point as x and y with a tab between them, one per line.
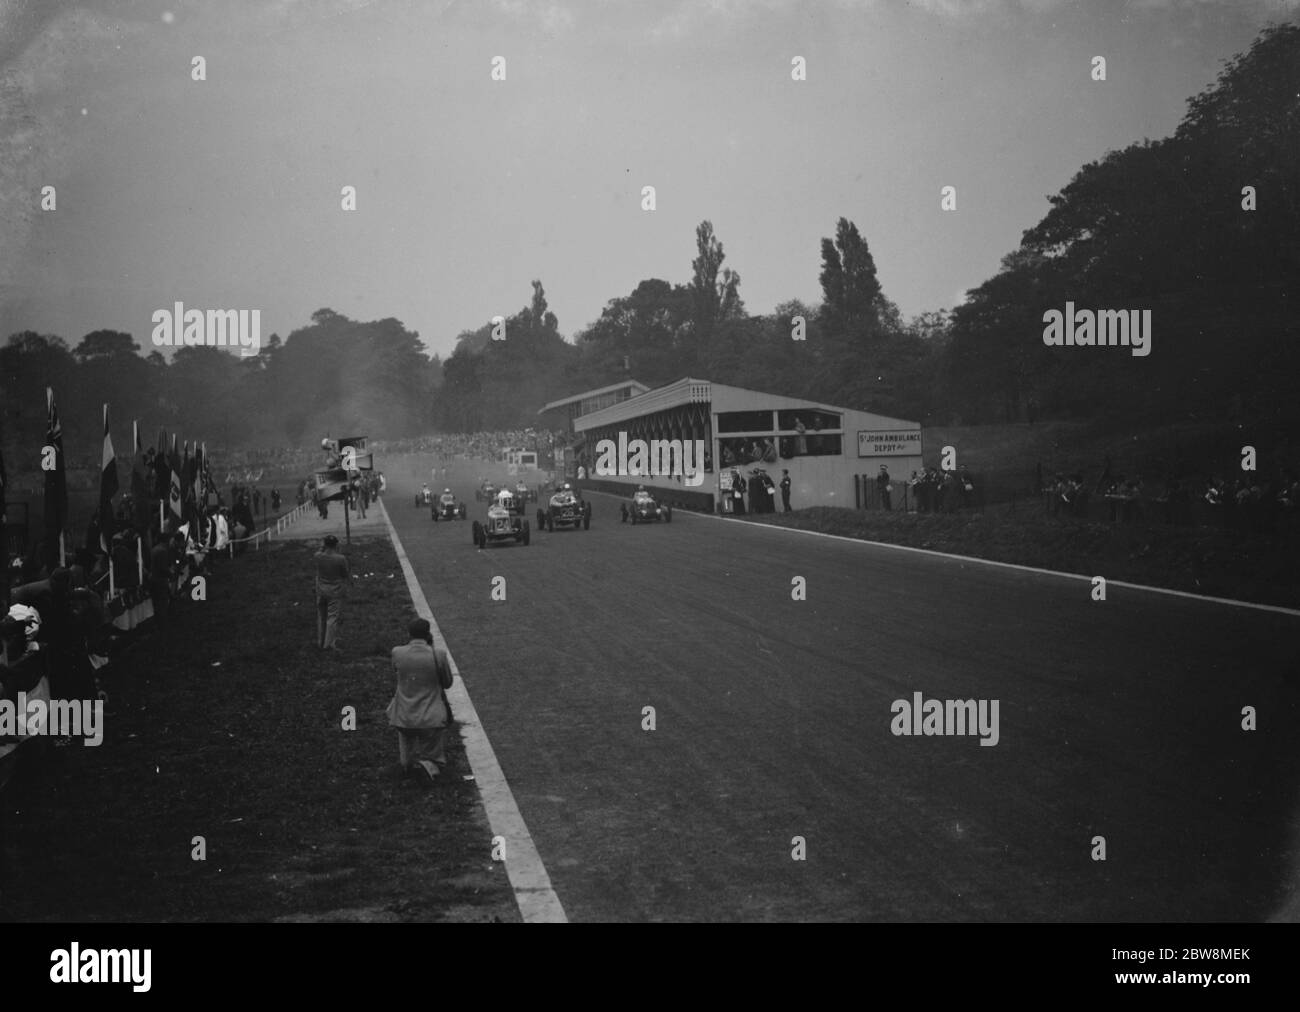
487	446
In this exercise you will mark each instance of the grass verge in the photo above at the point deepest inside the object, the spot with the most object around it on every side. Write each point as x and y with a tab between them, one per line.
228	725
1261	567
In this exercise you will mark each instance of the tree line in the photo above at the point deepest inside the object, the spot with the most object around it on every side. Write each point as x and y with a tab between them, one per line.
1202	228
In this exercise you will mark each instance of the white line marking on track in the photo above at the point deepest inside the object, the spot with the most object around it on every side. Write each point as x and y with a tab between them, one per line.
537	901
1278	609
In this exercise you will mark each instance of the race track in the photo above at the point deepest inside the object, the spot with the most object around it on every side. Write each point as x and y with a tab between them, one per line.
1119	719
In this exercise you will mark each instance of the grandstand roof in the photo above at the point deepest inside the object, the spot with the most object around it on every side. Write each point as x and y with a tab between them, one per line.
689	391
636	388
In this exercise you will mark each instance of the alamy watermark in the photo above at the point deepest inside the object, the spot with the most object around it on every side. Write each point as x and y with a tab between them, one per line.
1125	328
921	716
217	328
75	965
59	718
666	458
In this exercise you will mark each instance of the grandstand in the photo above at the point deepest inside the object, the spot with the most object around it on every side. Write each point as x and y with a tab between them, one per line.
831	452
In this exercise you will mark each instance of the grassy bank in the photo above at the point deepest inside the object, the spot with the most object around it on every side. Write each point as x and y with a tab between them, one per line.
1202	560
227	725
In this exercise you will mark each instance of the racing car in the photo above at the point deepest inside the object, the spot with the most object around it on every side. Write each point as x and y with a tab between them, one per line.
424	497
565	510
486	492
523	496
644	509
447	508
502	523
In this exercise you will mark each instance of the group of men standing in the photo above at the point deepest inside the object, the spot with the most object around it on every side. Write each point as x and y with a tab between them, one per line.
761	492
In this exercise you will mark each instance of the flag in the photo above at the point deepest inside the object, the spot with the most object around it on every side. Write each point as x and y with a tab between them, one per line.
139	490
107	487
162	473
56	483
174	481
196	492
197	482
187	482
3	543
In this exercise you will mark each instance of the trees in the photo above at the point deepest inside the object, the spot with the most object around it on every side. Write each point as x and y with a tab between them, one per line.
104	345
715	291
849	285
647	329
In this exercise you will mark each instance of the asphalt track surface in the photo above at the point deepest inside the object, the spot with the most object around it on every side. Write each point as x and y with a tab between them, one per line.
1119	719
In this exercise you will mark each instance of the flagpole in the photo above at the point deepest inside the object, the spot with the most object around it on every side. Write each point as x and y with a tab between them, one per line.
139	561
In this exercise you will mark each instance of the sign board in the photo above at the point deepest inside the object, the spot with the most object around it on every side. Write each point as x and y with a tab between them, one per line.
331	484
890	443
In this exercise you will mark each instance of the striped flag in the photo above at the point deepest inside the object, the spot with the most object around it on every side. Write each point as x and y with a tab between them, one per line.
174	490
162	479
196	489
107	487
56	484
187	482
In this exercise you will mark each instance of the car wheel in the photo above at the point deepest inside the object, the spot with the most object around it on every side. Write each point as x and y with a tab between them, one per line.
434	514
541	519
586	520
668	515
550	524
478	534
525	532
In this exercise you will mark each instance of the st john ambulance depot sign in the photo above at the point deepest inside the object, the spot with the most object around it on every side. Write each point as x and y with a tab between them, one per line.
890	443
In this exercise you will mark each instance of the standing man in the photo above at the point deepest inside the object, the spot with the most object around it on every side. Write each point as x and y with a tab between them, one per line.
418	712
884	487
332	575
162	577
785	489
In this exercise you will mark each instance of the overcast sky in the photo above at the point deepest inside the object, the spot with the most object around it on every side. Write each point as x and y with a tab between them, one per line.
225	193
